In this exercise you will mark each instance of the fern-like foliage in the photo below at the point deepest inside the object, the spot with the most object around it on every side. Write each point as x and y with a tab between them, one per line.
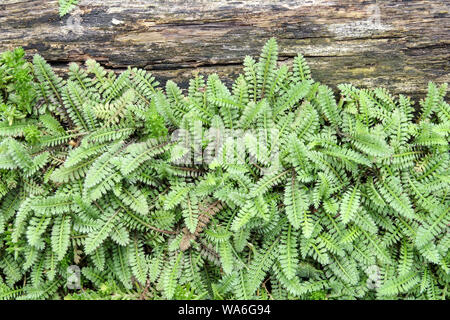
268	188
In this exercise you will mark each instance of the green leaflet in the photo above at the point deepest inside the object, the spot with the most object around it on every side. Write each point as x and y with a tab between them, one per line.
297	204
96	237
61	236
350	205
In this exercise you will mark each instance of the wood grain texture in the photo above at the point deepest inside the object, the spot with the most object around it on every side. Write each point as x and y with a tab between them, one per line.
400	45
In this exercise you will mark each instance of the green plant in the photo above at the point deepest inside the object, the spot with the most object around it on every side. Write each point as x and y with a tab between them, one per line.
270	190
17	92
65	6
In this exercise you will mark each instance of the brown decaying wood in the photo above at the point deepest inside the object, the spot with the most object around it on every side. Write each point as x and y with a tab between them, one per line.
343	41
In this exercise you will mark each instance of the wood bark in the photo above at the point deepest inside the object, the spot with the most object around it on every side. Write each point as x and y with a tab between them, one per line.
399	45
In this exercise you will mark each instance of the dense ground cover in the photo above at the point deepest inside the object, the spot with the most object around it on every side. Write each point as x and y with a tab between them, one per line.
113	186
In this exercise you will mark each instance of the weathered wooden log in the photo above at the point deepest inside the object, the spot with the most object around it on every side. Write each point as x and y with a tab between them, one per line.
400	45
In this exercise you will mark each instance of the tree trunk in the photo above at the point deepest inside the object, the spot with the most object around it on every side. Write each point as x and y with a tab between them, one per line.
400	45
